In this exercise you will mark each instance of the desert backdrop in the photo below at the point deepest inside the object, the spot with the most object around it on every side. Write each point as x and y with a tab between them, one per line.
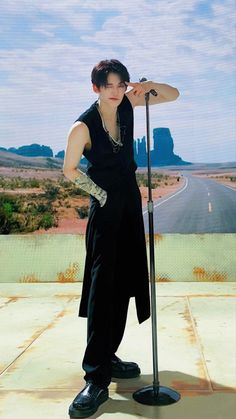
36	198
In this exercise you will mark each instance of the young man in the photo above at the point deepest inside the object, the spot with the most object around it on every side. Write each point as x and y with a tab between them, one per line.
116	261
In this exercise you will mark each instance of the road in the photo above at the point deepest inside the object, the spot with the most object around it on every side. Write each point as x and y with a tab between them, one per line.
200	206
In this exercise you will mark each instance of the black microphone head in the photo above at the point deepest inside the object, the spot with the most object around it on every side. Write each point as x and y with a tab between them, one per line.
153	92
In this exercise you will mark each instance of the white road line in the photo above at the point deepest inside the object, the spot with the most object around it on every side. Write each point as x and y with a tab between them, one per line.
209	207
172	196
229	187
208	194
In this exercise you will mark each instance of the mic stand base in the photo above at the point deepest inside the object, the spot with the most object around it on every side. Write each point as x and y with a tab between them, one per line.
156	396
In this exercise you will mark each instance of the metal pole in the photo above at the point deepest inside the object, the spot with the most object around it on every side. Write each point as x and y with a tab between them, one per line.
153	394
152	256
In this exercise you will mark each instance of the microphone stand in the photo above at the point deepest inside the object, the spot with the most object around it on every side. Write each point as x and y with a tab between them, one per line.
153	395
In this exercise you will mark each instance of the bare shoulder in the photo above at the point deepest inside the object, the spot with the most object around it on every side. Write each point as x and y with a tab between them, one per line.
79	133
78	129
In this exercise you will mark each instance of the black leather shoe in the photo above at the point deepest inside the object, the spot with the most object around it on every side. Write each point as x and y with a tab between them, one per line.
87	401
122	369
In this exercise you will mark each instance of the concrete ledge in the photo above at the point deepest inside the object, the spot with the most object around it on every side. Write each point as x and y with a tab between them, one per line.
177	289
60	258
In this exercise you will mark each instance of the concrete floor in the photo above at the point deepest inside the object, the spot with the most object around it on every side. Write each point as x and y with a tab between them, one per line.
43	340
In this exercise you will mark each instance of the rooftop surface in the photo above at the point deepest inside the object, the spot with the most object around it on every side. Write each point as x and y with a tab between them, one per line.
43	341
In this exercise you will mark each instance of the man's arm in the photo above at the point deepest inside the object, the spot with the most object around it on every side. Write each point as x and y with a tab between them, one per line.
165	93
78	139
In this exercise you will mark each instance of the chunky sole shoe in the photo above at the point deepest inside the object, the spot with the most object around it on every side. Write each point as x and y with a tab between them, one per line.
88	401
122	369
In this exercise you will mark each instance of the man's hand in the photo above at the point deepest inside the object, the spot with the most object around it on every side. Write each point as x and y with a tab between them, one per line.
139	88
165	93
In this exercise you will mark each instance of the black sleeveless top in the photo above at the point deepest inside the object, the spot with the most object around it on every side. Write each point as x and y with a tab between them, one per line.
107	168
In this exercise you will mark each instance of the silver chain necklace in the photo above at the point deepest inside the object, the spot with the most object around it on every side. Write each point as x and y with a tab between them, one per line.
116	144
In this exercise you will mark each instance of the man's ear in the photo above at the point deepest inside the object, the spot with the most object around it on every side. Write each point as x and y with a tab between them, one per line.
95	88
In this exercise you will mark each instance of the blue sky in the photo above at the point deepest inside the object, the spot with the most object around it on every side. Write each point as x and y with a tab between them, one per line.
48	50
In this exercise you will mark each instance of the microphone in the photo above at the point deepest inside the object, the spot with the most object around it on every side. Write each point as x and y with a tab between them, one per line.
152	91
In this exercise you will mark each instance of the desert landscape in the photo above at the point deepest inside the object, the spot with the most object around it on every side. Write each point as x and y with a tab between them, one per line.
38	199
67	205
70	223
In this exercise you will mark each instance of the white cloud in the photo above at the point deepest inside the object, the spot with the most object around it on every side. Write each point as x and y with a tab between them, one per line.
141	7
71	11
44	31
27	6
166	35
68	60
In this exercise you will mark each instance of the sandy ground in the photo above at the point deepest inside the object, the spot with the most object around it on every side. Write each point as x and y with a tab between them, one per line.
159	192
30	173
22	191
220	178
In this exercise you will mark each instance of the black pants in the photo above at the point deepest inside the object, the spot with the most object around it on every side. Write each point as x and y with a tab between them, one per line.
115	240
112	273
106	325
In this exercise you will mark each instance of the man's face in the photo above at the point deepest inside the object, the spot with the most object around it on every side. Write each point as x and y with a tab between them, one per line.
114	90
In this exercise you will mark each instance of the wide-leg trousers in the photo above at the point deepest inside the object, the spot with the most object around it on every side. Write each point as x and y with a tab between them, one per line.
114	235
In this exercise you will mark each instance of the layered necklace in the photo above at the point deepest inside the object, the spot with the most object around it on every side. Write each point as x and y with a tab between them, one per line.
116	143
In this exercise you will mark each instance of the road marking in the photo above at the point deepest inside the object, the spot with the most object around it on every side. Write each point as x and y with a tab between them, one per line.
209	207
208	194
172	196
229	187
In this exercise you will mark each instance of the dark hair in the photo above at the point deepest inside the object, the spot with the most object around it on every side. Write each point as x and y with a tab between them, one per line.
103	68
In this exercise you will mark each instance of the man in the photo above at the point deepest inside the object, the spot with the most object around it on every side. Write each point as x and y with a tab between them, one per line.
116	261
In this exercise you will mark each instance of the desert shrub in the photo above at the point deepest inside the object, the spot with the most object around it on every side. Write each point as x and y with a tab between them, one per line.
67	204
51	191
33	183
77	191
145	183
47	221
20	214
64	182
43	207
2	181
18	182
156	179
9	205
83	211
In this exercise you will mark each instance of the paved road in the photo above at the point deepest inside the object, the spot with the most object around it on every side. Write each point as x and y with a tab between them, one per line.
200	206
